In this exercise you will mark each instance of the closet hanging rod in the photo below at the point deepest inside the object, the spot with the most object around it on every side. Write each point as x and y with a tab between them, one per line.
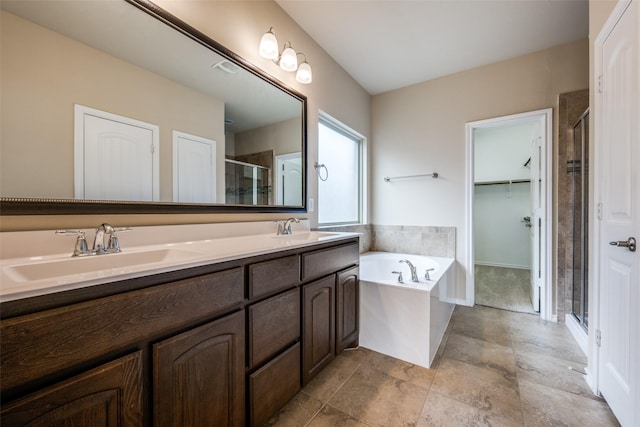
507	181
389	178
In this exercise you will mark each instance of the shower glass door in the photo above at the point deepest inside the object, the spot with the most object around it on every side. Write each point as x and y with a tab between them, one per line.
578	169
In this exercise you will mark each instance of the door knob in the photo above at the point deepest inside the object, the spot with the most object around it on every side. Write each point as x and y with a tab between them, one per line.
630	243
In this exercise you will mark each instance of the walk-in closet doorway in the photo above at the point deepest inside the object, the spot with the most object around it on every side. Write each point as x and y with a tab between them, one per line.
508	213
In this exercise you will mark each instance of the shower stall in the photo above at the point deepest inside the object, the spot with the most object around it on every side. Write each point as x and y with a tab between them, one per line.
578	170
247	183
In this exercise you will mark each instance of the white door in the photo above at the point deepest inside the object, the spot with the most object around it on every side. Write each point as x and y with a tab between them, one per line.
619	214
194	168
289	179
116	158
537	216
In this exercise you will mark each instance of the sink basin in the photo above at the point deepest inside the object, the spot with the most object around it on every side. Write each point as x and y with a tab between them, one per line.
51	269
310	236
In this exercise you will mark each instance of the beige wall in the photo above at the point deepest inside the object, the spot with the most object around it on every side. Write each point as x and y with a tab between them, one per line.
239	25
421	129
38	117
284	136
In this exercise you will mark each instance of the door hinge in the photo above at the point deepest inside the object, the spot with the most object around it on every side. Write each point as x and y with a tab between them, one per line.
600	211
598	338
600	84
153	149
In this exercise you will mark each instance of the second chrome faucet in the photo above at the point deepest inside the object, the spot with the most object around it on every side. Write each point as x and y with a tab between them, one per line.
284	227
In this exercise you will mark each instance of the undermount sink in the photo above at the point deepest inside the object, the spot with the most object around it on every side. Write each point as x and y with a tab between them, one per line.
311	235
51	269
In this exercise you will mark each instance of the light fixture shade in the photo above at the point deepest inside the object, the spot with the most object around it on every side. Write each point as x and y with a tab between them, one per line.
289	60
304	74
269	45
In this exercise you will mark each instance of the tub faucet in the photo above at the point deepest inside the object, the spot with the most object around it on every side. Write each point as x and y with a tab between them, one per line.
414	274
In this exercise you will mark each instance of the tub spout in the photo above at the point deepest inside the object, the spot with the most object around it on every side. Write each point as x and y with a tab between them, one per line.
414	273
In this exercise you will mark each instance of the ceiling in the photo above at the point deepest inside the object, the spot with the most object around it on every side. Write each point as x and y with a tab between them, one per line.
388	44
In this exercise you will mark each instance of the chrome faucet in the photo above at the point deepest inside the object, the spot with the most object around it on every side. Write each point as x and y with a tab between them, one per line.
111	246
98	241
414	274
284	227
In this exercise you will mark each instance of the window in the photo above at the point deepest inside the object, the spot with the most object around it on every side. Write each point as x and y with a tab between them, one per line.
340	187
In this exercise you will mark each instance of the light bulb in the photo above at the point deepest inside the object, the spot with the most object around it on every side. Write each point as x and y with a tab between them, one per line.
304	74
288	60
269	45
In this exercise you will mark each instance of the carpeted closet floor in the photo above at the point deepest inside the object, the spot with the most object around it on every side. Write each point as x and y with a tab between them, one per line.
505	288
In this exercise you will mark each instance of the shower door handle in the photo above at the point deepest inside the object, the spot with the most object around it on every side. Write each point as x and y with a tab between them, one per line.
629	243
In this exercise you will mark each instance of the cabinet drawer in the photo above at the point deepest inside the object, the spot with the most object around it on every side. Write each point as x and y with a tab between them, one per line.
41	344
325	261
273	325
274	275
273	385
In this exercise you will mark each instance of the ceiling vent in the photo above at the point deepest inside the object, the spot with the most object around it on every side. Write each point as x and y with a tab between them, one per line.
226	66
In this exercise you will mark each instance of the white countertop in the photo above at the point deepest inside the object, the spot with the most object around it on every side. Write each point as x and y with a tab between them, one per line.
46	272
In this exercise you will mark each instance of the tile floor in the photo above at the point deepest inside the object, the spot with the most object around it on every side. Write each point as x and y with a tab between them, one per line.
494	368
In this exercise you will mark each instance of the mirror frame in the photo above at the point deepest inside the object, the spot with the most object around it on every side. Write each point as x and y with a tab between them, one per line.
37	206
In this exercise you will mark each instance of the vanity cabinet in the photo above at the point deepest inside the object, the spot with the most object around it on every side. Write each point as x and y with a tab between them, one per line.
224	344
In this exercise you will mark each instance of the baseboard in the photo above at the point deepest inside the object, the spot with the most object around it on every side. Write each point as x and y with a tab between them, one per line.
589	378
577	332
493	264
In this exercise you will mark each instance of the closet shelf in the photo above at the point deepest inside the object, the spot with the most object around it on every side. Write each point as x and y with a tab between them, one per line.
506	181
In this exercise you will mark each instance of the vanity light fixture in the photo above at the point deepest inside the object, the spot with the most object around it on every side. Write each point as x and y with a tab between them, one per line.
288	59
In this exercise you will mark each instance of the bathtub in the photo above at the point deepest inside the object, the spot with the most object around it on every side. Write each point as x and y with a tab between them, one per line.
404	320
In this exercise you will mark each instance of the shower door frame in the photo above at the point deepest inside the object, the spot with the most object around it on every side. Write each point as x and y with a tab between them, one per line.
583	193
545	119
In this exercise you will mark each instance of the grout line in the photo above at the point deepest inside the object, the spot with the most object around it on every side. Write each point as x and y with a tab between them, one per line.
324	404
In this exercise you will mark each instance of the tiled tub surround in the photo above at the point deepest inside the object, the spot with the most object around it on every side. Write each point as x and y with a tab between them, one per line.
406	239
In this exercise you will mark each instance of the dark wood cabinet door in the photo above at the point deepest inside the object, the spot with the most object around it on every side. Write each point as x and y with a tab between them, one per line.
318	348
110	395
347	309
199	376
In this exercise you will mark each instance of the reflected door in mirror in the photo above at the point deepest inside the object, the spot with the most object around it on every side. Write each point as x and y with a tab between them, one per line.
289	179
115	157
194	168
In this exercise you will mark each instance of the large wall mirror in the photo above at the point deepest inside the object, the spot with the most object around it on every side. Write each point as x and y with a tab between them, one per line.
116	106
